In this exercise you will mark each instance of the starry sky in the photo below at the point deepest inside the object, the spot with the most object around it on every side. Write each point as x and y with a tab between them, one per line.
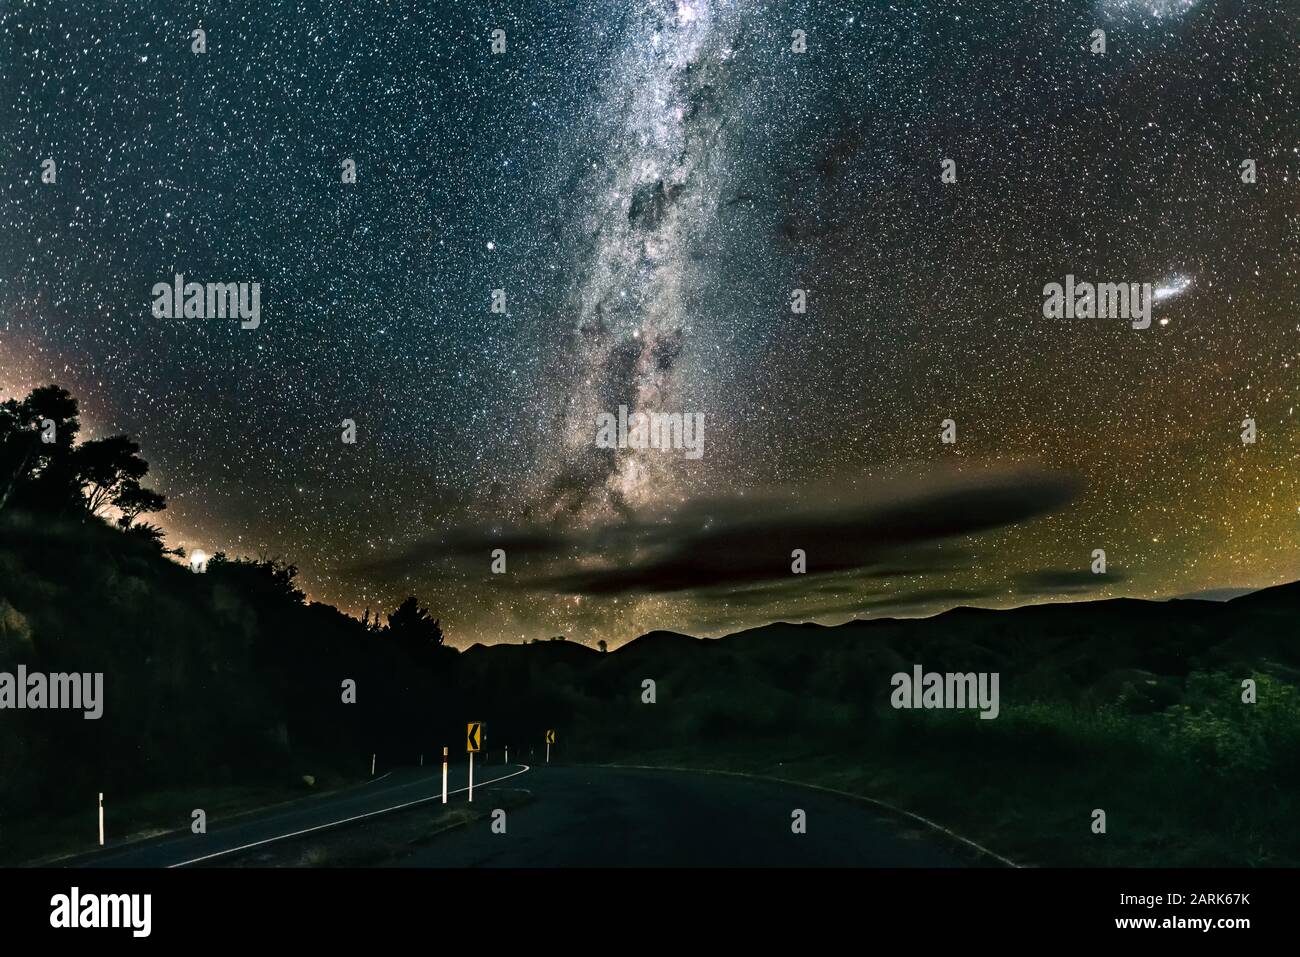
647	181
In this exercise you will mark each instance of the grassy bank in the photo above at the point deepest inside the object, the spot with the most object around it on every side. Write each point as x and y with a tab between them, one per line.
1201	785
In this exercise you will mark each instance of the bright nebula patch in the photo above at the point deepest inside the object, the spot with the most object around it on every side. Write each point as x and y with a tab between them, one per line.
1143	9
1172	288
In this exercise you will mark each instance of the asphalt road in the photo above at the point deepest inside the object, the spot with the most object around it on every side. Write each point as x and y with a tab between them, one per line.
308	817
580	817
612	817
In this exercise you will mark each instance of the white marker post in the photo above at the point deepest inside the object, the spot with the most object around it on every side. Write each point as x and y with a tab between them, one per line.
444	775
422	760
507	754
372	765
471	775
101	818
548	752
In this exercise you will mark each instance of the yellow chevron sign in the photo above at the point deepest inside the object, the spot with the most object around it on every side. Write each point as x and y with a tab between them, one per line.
474	736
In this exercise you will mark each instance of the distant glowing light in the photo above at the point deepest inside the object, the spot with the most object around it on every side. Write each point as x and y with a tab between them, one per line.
198	560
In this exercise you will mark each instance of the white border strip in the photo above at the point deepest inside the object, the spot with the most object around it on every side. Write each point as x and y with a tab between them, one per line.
346	820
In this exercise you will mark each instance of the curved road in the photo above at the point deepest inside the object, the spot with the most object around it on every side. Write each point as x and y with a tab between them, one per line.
581	817
625	817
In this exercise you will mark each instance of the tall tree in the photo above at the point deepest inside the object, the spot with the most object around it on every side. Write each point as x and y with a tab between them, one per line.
36	438
104	467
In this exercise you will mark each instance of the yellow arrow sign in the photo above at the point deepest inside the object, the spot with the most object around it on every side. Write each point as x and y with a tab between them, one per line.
550	737
473	735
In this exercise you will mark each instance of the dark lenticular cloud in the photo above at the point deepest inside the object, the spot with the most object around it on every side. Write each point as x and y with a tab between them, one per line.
739	543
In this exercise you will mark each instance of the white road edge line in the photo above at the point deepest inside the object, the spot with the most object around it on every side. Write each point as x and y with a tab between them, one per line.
817	787
106	854
346	820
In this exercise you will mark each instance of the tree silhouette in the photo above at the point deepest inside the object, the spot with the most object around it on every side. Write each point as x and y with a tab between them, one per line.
412	627
270	579
105	467
36	438
133	500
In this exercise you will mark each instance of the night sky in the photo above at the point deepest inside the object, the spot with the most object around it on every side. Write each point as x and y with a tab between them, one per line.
648	181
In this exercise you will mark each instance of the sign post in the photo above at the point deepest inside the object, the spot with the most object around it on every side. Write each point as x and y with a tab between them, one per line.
473	741
444	775
101	818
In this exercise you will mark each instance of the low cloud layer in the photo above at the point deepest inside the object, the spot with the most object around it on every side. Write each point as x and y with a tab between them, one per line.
739	549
